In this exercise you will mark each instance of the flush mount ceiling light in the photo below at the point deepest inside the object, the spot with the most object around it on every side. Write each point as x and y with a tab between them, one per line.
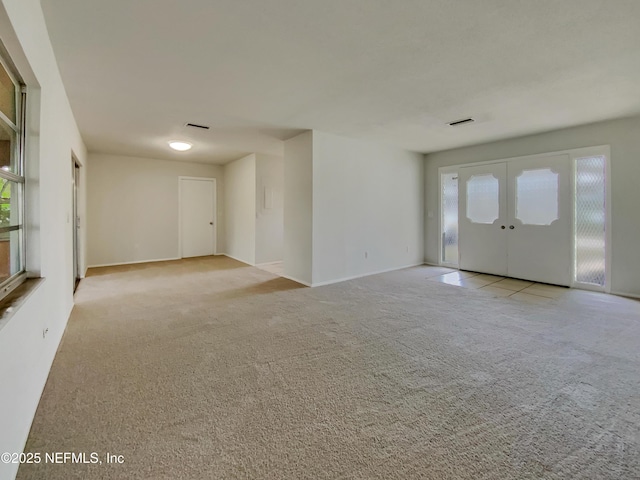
180	146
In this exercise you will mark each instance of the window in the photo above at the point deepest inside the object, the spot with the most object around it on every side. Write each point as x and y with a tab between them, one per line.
449	219
590	220
12	121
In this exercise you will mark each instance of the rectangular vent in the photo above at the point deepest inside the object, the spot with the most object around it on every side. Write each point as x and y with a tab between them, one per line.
460	122
195	125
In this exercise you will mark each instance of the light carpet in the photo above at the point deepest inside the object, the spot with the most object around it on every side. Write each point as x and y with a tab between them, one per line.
211	369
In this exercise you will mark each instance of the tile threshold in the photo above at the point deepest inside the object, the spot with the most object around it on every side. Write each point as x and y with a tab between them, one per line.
525	284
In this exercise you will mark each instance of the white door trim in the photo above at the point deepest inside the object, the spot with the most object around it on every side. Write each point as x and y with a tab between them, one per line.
215	211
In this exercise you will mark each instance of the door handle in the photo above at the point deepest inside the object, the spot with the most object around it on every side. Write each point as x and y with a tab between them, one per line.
502	227
511	227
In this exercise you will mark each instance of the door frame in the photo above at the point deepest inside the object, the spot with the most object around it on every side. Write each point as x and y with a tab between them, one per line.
574	153
76	237
215	211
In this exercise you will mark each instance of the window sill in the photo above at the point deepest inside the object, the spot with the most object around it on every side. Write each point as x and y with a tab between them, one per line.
10	304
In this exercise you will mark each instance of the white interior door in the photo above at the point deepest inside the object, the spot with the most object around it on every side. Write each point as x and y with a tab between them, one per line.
197	217
482	218
539	231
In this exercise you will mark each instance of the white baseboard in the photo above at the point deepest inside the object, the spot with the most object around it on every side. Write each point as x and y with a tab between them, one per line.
238	259
628	295
344	279
266	264
132	263
306	284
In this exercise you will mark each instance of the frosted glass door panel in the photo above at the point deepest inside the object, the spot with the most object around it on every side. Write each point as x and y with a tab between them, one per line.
449	202
483	199
537	197
590	218
482	216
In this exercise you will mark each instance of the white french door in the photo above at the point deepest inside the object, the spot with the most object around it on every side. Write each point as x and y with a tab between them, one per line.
482	218
515	219
539	244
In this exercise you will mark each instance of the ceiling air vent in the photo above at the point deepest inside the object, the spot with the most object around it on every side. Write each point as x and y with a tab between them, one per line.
195	125
460	122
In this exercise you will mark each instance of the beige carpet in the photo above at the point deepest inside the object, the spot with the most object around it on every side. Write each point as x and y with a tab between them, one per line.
209	369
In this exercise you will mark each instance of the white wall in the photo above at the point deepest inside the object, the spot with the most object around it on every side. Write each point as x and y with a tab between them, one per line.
133	207
367	208
52	135
622	135
240	209
269	218
351	208
298	190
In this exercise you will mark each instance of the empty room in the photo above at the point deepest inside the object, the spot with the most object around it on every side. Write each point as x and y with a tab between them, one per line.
340	239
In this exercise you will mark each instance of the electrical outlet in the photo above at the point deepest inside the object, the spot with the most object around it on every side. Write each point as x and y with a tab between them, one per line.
366	254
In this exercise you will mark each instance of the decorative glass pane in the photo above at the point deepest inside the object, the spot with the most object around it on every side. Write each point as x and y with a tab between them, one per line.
483	199
537	197
7	95
590	220
450	218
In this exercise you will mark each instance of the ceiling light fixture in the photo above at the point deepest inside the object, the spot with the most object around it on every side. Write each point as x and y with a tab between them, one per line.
180	146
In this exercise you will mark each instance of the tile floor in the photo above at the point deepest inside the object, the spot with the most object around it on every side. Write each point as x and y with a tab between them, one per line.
521	290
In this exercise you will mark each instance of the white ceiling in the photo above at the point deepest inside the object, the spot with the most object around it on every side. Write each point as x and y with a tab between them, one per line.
395	72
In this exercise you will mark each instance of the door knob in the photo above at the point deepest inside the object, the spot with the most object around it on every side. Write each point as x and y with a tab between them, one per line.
210	223
511	227
502	227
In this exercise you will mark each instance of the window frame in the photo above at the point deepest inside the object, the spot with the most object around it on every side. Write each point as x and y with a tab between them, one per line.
15	280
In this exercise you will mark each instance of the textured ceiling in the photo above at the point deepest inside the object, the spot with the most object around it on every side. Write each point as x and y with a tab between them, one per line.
259	71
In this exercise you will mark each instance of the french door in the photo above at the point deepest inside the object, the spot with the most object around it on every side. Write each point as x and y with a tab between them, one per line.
515	219
482	218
